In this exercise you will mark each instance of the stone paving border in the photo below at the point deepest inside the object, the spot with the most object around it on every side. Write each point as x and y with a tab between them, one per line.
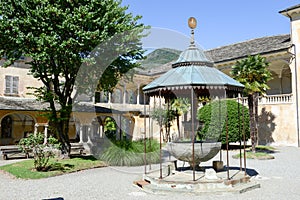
279	179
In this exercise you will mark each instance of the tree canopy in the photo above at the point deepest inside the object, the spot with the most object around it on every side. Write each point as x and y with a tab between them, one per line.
59	36
254	74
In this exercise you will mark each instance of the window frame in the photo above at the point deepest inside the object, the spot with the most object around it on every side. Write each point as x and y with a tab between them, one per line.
11	85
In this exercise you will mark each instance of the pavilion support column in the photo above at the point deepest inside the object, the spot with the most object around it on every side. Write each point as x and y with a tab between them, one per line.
193	111
120	129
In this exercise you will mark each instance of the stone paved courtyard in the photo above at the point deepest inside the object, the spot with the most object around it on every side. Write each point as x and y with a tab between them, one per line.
279	179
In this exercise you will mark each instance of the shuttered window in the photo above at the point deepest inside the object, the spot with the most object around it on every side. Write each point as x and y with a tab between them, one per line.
11	85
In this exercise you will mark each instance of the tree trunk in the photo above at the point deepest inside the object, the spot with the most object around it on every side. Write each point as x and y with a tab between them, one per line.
164	134
256	117
60	119
169	132
251	102
167	129
62	128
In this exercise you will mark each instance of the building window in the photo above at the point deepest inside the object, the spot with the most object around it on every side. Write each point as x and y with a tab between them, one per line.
11	85
131	97
117	96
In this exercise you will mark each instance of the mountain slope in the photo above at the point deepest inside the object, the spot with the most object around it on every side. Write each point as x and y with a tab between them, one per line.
160	57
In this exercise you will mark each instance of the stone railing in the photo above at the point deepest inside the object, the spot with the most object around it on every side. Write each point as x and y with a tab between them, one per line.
273	99
276	99
262	100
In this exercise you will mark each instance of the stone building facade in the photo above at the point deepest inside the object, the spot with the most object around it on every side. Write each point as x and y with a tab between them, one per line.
279	109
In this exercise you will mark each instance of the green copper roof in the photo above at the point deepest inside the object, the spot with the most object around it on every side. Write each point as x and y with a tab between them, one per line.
193	70
192	54
201	77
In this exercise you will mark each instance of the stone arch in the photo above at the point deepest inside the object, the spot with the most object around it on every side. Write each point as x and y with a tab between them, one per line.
281	73
127	127
6	127
100	121
97	128
120	128
282	81
15	126
110	127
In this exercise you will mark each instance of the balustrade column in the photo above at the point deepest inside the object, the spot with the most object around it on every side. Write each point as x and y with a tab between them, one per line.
263	100
124	94
109	97
46	134
89	130
138	95
101	131
36	129
80	134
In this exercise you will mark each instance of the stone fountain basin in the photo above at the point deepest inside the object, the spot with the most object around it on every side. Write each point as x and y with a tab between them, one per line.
203	151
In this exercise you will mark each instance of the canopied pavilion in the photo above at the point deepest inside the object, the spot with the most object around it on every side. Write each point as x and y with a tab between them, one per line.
193	76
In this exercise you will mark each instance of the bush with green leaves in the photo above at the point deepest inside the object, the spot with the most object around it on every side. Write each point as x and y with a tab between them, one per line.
41	152
164	117
213	121
131	153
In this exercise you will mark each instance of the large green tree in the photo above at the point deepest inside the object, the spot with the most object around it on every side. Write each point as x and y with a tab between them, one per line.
59	36
254	74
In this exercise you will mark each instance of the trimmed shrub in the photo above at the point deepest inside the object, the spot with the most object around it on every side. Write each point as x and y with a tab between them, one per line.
212	118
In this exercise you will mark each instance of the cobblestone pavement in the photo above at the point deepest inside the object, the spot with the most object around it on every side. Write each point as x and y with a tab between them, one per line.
279	179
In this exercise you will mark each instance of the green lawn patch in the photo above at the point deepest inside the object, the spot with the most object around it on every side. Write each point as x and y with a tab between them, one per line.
265	149
25	169
262	153
257	155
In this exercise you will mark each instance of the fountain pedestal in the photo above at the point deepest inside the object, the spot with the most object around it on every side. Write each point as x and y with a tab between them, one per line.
203	151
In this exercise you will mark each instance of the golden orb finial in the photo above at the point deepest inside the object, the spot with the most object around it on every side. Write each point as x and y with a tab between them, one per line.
192	22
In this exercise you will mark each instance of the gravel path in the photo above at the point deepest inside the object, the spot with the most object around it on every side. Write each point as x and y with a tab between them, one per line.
279	179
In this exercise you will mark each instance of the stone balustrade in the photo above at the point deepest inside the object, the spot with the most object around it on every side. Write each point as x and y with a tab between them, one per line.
272	99
276	99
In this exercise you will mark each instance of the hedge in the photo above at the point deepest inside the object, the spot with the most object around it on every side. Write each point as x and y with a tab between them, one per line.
213	119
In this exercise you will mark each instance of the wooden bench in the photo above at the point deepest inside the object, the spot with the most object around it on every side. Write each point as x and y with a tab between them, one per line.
77	148
13	150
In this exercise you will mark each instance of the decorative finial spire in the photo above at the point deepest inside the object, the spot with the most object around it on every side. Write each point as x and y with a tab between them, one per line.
192	22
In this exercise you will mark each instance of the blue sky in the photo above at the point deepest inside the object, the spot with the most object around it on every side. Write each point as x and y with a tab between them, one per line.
220	22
